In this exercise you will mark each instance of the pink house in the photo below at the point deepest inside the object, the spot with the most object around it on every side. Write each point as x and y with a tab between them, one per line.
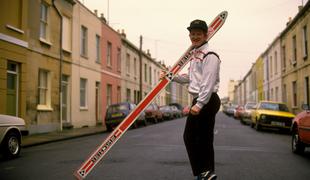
110	68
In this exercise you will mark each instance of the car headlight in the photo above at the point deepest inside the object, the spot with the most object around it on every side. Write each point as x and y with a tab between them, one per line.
263	117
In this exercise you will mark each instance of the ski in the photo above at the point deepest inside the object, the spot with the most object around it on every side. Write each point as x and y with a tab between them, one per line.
115	135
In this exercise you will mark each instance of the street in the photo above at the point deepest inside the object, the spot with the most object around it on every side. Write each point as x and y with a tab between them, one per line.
157	152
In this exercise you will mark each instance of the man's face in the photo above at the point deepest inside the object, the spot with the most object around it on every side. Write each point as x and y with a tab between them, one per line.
197	37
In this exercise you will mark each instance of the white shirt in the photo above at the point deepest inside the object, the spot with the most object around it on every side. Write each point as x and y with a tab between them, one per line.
203	77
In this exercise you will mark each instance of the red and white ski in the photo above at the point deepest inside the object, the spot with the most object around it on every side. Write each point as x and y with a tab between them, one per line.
106	145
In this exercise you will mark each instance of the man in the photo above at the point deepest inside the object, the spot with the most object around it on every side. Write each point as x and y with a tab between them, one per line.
203	79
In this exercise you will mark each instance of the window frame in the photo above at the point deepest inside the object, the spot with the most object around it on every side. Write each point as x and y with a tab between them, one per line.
44	103
84	41
83	90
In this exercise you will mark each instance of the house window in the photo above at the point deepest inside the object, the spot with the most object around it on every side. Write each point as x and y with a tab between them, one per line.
305	42
44	21
119	59
294	48
277	94
44	89
145	73
135	67
283	58
128	95
128	64
271	68
136	96
155	77
118	94
109	94
150	75
109	54
307	91
275	62
294	90
83	41
284	95
98	51
14	21
83	93
66	34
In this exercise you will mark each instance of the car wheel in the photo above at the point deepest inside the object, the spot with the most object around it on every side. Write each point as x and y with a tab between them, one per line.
297	146
143	122
135	125
241	121
155	120
109	128
11	145
252	124
257	126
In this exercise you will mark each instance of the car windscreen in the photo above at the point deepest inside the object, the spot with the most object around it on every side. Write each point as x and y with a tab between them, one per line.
117	108
150	107
250	106
274	107
164	108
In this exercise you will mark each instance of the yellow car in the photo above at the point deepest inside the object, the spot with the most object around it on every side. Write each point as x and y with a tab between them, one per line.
271	114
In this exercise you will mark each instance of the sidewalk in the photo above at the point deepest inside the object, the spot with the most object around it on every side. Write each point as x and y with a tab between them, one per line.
37	139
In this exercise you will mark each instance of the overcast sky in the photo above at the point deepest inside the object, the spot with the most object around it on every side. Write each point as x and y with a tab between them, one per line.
250	27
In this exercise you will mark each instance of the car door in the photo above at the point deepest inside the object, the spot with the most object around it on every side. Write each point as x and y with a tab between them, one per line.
304	127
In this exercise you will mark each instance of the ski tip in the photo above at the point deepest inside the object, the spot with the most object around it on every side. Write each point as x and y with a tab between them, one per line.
224	15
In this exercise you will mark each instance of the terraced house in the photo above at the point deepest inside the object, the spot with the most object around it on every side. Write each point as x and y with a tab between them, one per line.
284	66
62	65
13	57
295	60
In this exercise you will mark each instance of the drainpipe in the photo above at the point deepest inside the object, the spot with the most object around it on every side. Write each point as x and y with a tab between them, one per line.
140	68
60	65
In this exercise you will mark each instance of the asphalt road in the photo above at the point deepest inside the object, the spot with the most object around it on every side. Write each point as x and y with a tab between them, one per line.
157	152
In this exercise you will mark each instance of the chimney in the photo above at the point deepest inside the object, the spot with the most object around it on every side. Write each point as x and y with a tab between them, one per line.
103	18
148	53
96	12
123	33
289	21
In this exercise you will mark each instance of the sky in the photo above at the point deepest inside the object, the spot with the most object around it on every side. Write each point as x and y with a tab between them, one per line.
249	28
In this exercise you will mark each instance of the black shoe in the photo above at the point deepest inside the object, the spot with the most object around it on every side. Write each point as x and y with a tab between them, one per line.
208	175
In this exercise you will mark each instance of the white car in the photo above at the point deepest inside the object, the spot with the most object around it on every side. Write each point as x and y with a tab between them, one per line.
11	130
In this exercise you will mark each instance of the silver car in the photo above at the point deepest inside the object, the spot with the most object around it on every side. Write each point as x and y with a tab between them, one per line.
11	130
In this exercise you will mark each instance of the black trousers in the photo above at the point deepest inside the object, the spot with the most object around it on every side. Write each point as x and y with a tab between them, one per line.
199	134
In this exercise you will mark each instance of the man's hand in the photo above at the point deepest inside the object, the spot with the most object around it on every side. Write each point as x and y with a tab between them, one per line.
195	110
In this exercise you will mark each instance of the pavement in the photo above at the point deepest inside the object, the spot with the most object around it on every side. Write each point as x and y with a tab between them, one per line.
44	138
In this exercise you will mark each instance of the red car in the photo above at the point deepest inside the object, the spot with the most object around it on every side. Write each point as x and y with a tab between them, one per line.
153	114
301	130
238	112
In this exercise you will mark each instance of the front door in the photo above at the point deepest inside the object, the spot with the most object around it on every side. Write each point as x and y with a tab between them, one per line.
97	102
65	99
12	89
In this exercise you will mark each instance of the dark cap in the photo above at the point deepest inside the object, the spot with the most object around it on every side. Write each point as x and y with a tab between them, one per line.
198	24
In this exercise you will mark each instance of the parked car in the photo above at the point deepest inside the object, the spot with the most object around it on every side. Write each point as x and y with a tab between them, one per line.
167	112
301	130
271	114
238	111
176	112
153	114
230	110
11	131
179	106
116	113
246	114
